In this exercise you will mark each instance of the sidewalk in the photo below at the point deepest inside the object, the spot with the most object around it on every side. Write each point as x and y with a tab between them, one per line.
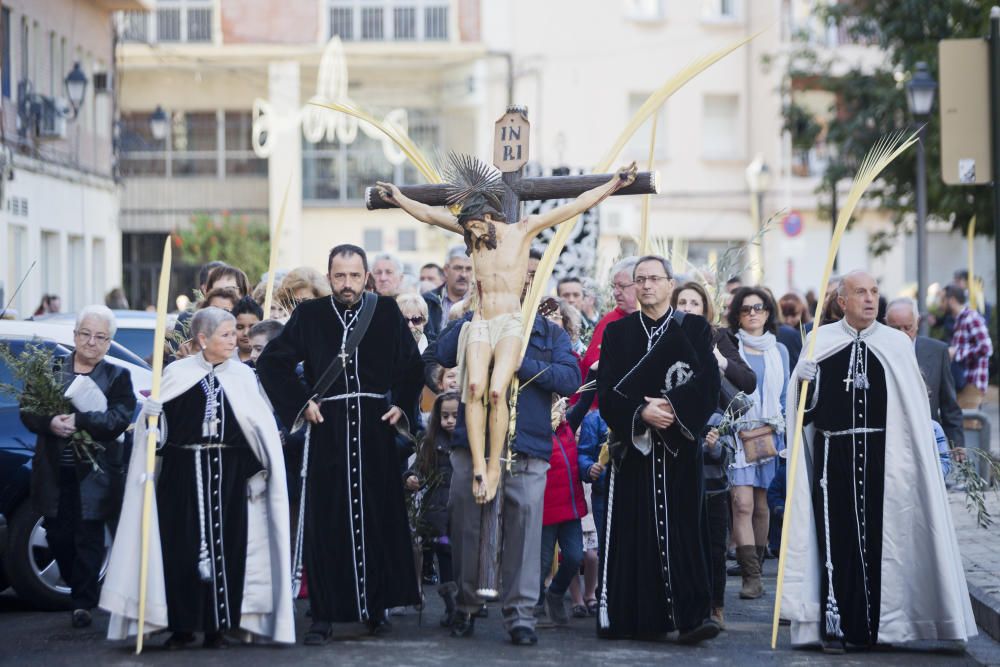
981	548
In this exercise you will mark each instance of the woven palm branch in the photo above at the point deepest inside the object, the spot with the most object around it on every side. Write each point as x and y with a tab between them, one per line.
467	176
879	157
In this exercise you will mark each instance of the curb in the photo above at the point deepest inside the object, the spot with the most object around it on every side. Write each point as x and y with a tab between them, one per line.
986	609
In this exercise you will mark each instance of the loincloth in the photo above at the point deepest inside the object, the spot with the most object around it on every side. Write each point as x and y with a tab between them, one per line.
492	331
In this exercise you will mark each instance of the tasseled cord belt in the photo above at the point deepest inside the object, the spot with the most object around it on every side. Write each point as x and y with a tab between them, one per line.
833	628
300	524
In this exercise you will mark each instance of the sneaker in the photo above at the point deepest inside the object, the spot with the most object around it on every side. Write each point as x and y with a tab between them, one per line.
523	636
81	618
556	608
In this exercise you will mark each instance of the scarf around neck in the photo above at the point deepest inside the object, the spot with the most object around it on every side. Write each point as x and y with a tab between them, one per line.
767	395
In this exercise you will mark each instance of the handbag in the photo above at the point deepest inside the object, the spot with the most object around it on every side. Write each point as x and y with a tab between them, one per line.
758	444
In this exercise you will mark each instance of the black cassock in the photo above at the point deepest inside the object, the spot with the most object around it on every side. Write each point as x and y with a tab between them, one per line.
657	576
854	418
194	605
357	552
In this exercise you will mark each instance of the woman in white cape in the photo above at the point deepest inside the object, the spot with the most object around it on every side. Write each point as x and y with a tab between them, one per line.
219	557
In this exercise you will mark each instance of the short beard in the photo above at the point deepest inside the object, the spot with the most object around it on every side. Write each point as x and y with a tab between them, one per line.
475	243
341	299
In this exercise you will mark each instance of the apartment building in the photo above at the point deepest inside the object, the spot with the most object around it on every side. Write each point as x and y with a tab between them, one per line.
57	162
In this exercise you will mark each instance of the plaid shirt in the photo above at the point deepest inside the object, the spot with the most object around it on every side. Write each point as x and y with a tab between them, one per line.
973	348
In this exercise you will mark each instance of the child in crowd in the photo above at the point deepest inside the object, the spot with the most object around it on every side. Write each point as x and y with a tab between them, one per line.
247	313
431	474
260	335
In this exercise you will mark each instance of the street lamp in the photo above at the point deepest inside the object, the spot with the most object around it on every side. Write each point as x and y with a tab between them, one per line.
158	123
920	92
76	88
758	180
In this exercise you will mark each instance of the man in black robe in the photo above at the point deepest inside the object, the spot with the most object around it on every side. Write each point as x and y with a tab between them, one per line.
355	536
658	383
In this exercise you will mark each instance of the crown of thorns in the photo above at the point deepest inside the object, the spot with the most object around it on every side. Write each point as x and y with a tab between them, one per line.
472	183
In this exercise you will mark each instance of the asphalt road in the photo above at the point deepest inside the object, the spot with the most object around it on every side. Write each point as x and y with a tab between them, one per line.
38	638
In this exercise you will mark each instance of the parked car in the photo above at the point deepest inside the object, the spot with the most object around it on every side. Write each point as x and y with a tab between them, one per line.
135	329
61	333
25	560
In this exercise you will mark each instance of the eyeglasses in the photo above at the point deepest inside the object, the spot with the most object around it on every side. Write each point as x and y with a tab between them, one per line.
755	308
652	280
416	321
87	337
621	287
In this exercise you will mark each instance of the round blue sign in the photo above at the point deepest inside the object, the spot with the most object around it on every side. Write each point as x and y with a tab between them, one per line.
792	223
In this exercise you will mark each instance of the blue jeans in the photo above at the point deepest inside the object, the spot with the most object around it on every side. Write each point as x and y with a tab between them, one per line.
569	534
599	508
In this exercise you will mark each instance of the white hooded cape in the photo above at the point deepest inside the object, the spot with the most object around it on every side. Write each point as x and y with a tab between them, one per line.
924	593
267	609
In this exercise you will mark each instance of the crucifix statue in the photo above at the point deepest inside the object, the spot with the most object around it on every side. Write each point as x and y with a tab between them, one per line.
489	197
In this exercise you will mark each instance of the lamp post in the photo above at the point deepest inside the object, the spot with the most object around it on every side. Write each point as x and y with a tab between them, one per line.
158	123
920	92
758	180
76	88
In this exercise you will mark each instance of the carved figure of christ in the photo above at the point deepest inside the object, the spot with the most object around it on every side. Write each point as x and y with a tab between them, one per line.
500	276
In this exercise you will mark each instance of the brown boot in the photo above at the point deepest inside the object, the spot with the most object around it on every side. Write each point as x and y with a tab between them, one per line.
761	555
746	556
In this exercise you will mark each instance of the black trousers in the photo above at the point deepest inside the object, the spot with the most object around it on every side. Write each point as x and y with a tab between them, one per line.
446	571
76	544
717	508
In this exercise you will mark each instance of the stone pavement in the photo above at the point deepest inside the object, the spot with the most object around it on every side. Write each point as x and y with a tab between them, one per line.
981	547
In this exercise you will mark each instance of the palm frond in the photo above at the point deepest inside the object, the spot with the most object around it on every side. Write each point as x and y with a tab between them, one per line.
467	175
391	130
565	229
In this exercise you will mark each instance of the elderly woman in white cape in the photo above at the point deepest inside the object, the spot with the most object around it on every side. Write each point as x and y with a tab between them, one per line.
219	556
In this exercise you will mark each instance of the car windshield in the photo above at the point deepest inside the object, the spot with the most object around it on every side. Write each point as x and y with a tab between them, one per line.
138	341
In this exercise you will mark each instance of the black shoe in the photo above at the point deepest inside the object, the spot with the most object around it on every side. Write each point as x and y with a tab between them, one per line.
215	640
483	612
81	618
464	625
379	625
834	647
707	630
178	640
319	634
730	554
734	570
523	636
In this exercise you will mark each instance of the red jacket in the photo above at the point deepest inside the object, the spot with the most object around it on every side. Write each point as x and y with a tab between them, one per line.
564	499
593	352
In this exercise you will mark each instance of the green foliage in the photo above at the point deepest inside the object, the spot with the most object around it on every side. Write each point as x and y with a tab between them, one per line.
234	240
39	392
871	102
966	475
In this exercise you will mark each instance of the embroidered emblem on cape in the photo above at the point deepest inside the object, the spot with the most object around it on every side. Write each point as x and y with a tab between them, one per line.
678	374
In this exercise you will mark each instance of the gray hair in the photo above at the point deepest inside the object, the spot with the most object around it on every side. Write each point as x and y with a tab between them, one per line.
590	288
389	257
413	300
905	301
207	320
101	313
626	265
455	251
663	261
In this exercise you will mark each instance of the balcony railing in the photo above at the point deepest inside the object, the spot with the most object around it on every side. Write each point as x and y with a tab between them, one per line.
389	20
185	22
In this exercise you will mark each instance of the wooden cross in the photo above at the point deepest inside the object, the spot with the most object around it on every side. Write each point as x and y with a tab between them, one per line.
510	154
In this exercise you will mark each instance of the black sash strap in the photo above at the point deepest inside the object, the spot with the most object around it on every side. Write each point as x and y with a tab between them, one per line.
336	367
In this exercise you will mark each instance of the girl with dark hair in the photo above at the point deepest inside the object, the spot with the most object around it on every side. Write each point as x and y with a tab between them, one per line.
752	315
431	472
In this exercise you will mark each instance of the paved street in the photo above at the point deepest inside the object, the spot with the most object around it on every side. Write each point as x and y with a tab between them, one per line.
28	637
